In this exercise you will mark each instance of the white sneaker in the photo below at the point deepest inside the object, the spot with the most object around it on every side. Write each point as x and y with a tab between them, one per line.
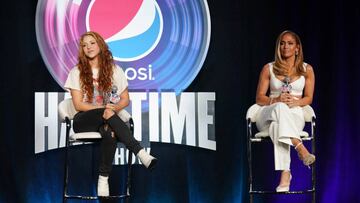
146	159
103	186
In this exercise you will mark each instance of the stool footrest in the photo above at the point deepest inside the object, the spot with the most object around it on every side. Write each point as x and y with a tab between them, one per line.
260	139
289	192
95	197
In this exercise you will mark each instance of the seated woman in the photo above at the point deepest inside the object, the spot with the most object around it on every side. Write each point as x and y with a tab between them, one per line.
291	82
90	82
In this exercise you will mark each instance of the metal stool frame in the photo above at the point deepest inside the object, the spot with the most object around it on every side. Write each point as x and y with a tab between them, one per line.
69	143
252	139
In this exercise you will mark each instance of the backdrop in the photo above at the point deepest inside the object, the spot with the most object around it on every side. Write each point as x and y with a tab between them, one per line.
242	40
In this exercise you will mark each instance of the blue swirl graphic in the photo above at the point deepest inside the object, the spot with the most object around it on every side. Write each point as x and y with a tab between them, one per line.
135	46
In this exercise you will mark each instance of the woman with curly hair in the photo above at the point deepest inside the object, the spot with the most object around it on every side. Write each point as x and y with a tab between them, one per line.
94	77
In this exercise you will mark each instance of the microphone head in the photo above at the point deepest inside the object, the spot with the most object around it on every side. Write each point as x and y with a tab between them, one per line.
287	80
286	87
114	89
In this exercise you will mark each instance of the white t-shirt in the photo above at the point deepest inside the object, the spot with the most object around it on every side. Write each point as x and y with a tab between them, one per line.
118	79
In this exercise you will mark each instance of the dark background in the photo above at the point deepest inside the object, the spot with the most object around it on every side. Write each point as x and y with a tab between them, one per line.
242	40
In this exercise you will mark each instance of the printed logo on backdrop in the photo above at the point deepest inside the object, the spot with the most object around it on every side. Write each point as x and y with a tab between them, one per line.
161	46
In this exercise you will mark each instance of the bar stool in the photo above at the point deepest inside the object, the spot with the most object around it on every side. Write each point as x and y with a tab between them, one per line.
263	136
66	112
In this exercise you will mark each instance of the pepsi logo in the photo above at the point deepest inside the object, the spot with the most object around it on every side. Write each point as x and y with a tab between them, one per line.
131	32
152	41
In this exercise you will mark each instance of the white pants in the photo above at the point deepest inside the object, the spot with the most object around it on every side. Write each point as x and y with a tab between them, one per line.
283	123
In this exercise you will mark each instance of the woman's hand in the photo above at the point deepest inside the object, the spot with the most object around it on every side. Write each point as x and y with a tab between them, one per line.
294	101
110	106
284	97
288	99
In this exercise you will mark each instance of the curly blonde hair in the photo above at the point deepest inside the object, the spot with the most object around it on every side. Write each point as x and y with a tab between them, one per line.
280	65
106	64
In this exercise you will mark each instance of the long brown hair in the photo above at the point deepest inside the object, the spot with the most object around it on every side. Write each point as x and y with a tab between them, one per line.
280	65
106	63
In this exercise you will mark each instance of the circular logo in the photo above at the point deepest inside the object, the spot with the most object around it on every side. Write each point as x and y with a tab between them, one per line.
131	31
160	45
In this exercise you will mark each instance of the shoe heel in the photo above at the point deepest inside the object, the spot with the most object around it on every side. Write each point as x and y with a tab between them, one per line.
284	188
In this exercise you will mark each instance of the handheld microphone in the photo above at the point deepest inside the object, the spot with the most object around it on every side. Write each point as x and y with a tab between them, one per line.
113	96
286	87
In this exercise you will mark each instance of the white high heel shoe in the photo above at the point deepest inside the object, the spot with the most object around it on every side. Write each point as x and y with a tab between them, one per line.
284	188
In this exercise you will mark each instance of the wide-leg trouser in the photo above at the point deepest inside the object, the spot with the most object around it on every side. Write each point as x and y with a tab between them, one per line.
283	123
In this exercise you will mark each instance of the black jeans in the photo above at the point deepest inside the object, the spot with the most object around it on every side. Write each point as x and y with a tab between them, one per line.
93	121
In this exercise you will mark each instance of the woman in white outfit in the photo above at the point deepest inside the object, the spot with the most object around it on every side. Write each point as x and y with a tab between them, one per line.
291	82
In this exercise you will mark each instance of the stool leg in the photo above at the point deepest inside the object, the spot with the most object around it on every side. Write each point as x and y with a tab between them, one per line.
128	181
313	171
249	154
66	171
66	168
